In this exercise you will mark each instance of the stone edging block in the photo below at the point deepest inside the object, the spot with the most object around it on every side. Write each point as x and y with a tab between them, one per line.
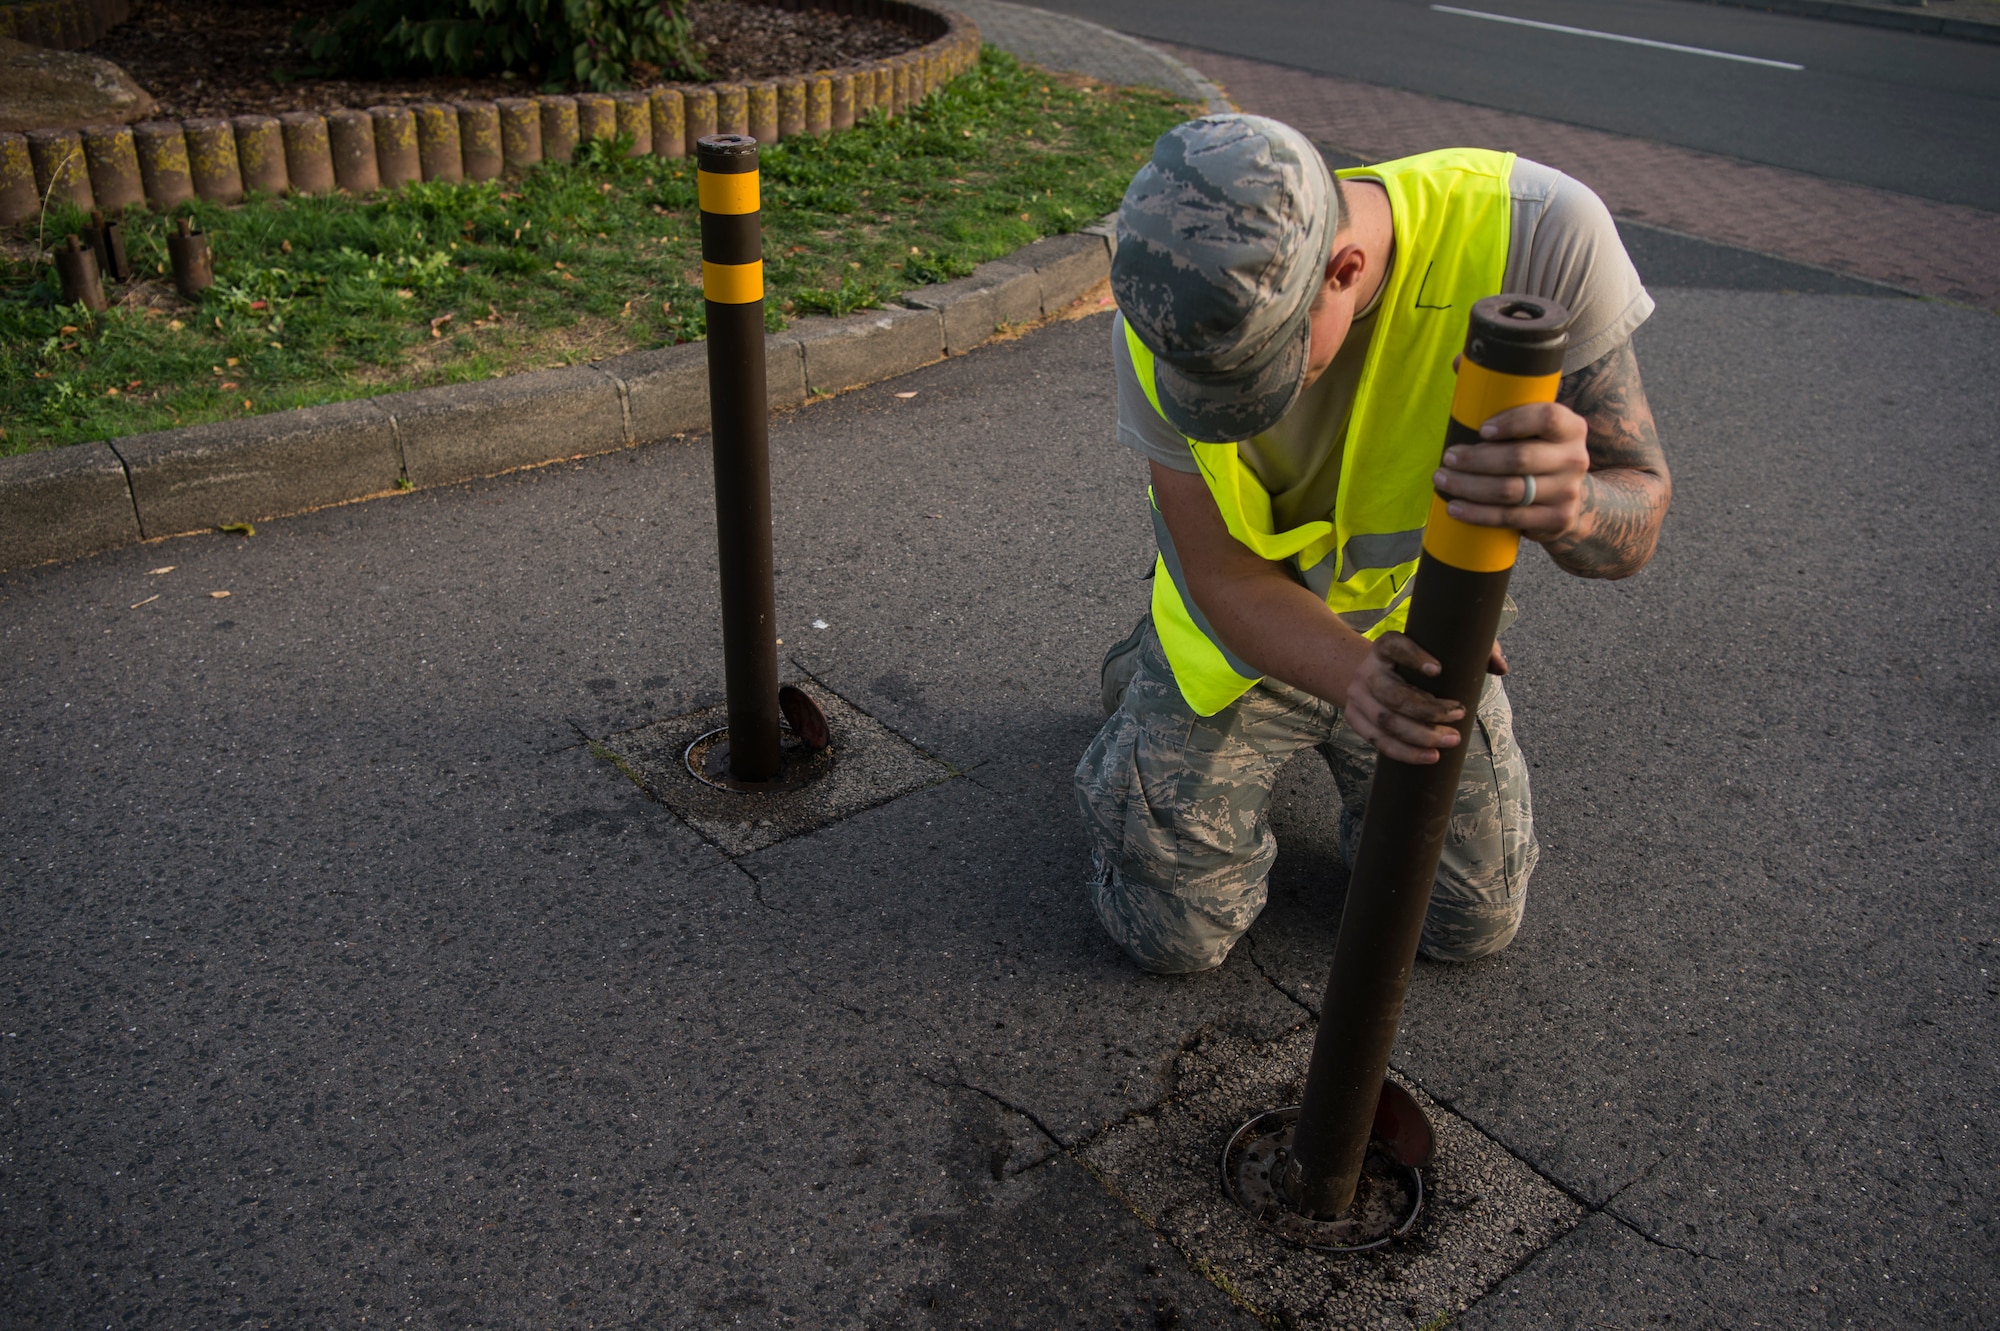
64	503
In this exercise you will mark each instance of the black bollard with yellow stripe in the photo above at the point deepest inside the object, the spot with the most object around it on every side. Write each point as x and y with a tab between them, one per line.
1513	356
732	283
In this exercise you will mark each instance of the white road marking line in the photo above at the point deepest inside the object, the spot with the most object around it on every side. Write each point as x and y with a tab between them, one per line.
1617	37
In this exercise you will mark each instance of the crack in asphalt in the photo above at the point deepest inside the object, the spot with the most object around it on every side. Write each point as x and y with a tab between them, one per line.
1250	945
960	1083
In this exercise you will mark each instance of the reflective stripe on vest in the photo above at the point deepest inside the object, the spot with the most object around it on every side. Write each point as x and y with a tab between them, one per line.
1452	212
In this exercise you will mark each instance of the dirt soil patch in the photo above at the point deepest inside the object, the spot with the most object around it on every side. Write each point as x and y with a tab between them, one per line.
215	58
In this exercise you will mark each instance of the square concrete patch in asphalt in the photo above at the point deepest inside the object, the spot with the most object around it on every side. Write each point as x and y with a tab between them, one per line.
1485	1212
871	765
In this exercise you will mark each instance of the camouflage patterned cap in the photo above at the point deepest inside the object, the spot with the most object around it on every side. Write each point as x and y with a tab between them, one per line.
1222	241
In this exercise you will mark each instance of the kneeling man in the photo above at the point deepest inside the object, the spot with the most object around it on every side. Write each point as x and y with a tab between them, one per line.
1284	350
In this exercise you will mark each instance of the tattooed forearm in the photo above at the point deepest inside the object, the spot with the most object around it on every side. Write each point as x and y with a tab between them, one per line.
1626	493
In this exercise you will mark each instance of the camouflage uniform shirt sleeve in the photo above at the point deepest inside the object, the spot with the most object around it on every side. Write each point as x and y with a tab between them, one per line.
1140	427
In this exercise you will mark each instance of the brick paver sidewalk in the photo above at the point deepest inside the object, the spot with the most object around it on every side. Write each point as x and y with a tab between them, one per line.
1935	249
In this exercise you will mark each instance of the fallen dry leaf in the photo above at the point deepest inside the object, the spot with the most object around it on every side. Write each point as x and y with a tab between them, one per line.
232	362
164	568
227	383
906	395
217	596
175	325
438	323
238	528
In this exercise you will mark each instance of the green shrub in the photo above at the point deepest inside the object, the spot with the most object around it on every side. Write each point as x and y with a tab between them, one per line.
602	44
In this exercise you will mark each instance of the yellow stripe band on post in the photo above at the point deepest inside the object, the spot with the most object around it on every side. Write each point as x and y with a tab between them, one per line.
732	283
729	195
1465	546
1482	394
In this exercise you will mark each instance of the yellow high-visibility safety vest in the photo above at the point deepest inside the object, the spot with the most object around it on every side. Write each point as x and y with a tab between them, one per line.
1452	212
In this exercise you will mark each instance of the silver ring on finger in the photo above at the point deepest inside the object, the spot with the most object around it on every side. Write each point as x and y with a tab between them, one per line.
1527	492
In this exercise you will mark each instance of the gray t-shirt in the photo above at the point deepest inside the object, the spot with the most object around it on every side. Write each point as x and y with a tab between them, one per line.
1562	245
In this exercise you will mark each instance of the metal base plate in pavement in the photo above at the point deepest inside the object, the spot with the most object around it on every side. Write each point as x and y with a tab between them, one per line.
805	751
1387	1199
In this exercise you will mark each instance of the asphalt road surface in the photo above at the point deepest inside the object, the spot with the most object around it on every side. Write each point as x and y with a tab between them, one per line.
1900	111
340	984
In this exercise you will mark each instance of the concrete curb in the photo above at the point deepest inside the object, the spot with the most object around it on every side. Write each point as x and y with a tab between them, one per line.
1911	19
65	503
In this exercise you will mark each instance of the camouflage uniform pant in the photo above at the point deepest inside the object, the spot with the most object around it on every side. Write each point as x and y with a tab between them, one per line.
1180	845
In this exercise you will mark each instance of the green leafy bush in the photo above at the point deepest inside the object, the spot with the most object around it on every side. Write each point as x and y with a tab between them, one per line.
602	44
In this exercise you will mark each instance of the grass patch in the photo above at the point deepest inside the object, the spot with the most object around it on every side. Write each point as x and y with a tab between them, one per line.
324	299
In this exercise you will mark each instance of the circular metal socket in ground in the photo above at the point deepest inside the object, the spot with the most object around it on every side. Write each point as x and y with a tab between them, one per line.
1386	1202
800	764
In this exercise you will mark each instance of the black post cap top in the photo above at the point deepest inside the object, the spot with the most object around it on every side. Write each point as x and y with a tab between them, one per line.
1518	335
726	154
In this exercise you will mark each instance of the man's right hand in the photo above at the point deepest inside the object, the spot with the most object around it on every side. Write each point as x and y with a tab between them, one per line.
1399	719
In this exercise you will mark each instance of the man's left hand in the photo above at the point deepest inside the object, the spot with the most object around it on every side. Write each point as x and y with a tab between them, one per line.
1536	452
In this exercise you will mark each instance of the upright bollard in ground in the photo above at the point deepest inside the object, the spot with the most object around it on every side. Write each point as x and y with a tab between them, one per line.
76	268
194	269
107	238
732	283
1513	356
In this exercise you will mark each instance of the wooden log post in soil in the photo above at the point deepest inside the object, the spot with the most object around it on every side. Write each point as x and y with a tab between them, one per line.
350	137
596	117
163	163
698	114
520	133
260	154
396	159
19	200
479	140
438	152
211	144
60	172
559	129
113	162
669	123
308	152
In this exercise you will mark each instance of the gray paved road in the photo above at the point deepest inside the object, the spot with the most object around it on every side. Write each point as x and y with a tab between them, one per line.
342	984
1920	115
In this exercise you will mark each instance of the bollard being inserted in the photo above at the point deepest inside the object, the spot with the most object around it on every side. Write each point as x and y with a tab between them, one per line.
1313	1173
754	757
